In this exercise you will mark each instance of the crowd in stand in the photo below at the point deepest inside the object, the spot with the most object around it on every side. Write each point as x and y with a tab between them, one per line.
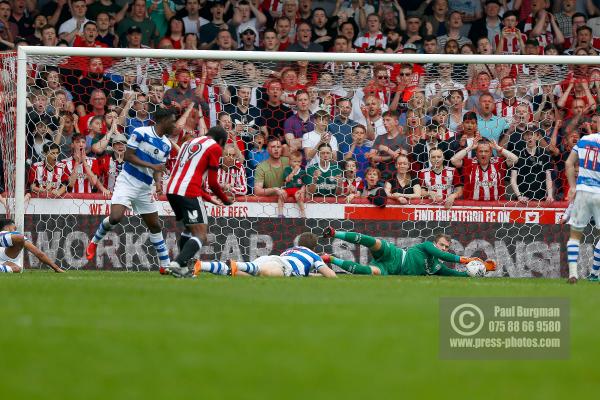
297	130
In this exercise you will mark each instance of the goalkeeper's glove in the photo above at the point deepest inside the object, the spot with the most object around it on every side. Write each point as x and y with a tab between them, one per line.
466	260
490	265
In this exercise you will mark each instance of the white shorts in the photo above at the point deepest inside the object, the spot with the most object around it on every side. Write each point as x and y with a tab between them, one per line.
275	260
140	200
585	206
4	258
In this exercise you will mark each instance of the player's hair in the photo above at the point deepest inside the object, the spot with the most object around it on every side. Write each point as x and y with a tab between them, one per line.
219	134
308	240
439	236
4	222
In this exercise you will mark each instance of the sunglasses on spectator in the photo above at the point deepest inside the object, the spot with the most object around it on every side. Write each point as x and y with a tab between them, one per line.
444	67
382	77
405	74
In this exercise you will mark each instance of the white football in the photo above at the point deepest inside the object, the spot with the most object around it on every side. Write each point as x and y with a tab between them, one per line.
476	268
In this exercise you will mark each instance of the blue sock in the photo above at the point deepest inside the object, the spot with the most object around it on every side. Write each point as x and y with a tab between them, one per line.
160	246
248	267
102	230
215	267
596	263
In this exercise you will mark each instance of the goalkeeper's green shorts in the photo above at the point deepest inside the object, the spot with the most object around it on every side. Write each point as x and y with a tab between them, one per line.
390	258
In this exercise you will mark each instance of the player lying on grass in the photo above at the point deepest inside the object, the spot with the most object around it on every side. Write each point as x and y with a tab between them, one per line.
12	243
421	259
296	261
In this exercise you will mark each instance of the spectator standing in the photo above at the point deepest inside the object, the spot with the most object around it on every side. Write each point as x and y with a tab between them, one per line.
484	175
439	182
268	177
137	17
532	177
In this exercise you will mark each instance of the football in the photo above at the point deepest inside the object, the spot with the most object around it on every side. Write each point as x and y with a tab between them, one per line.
476	268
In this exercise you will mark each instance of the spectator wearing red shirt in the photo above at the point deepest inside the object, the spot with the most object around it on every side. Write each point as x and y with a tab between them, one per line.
283	27
97	106
484	175
175	32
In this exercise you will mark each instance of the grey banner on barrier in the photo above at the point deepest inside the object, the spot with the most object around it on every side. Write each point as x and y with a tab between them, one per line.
519	251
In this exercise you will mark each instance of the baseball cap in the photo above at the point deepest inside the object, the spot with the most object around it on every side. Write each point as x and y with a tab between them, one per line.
119	138
493	2
134	28
410	46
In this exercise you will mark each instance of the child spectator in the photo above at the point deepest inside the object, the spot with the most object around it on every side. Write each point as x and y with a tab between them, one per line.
295	178
323	177
359	149
46	177
351	183
373	189
257	154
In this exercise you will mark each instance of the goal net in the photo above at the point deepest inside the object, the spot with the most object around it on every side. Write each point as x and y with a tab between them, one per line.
397	146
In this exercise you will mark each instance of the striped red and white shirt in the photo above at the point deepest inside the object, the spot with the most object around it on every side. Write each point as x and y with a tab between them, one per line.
191	168
212	95
234	178
545	38
82	183
272	6
357	183
511	45
443	183
47	178
109	170
506	110
484	184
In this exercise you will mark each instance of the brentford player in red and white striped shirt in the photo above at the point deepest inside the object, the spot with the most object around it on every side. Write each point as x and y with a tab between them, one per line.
82	171
441	183
198	161
46	177
484	175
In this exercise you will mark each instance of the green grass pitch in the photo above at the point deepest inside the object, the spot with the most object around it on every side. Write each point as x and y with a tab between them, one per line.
111	335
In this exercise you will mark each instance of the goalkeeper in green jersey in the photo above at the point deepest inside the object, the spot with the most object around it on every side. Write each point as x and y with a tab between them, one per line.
421	259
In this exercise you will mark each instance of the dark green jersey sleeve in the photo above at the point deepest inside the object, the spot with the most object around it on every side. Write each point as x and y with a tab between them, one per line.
430	249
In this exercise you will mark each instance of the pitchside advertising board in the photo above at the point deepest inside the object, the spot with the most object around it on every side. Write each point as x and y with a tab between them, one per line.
526	242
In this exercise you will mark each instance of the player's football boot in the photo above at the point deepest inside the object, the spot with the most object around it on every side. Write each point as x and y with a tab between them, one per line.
164	271
593	278
326	258
179	272
572	280
90	252
328	232
233	269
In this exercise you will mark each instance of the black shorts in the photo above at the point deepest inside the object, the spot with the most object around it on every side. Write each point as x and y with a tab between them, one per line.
190	210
